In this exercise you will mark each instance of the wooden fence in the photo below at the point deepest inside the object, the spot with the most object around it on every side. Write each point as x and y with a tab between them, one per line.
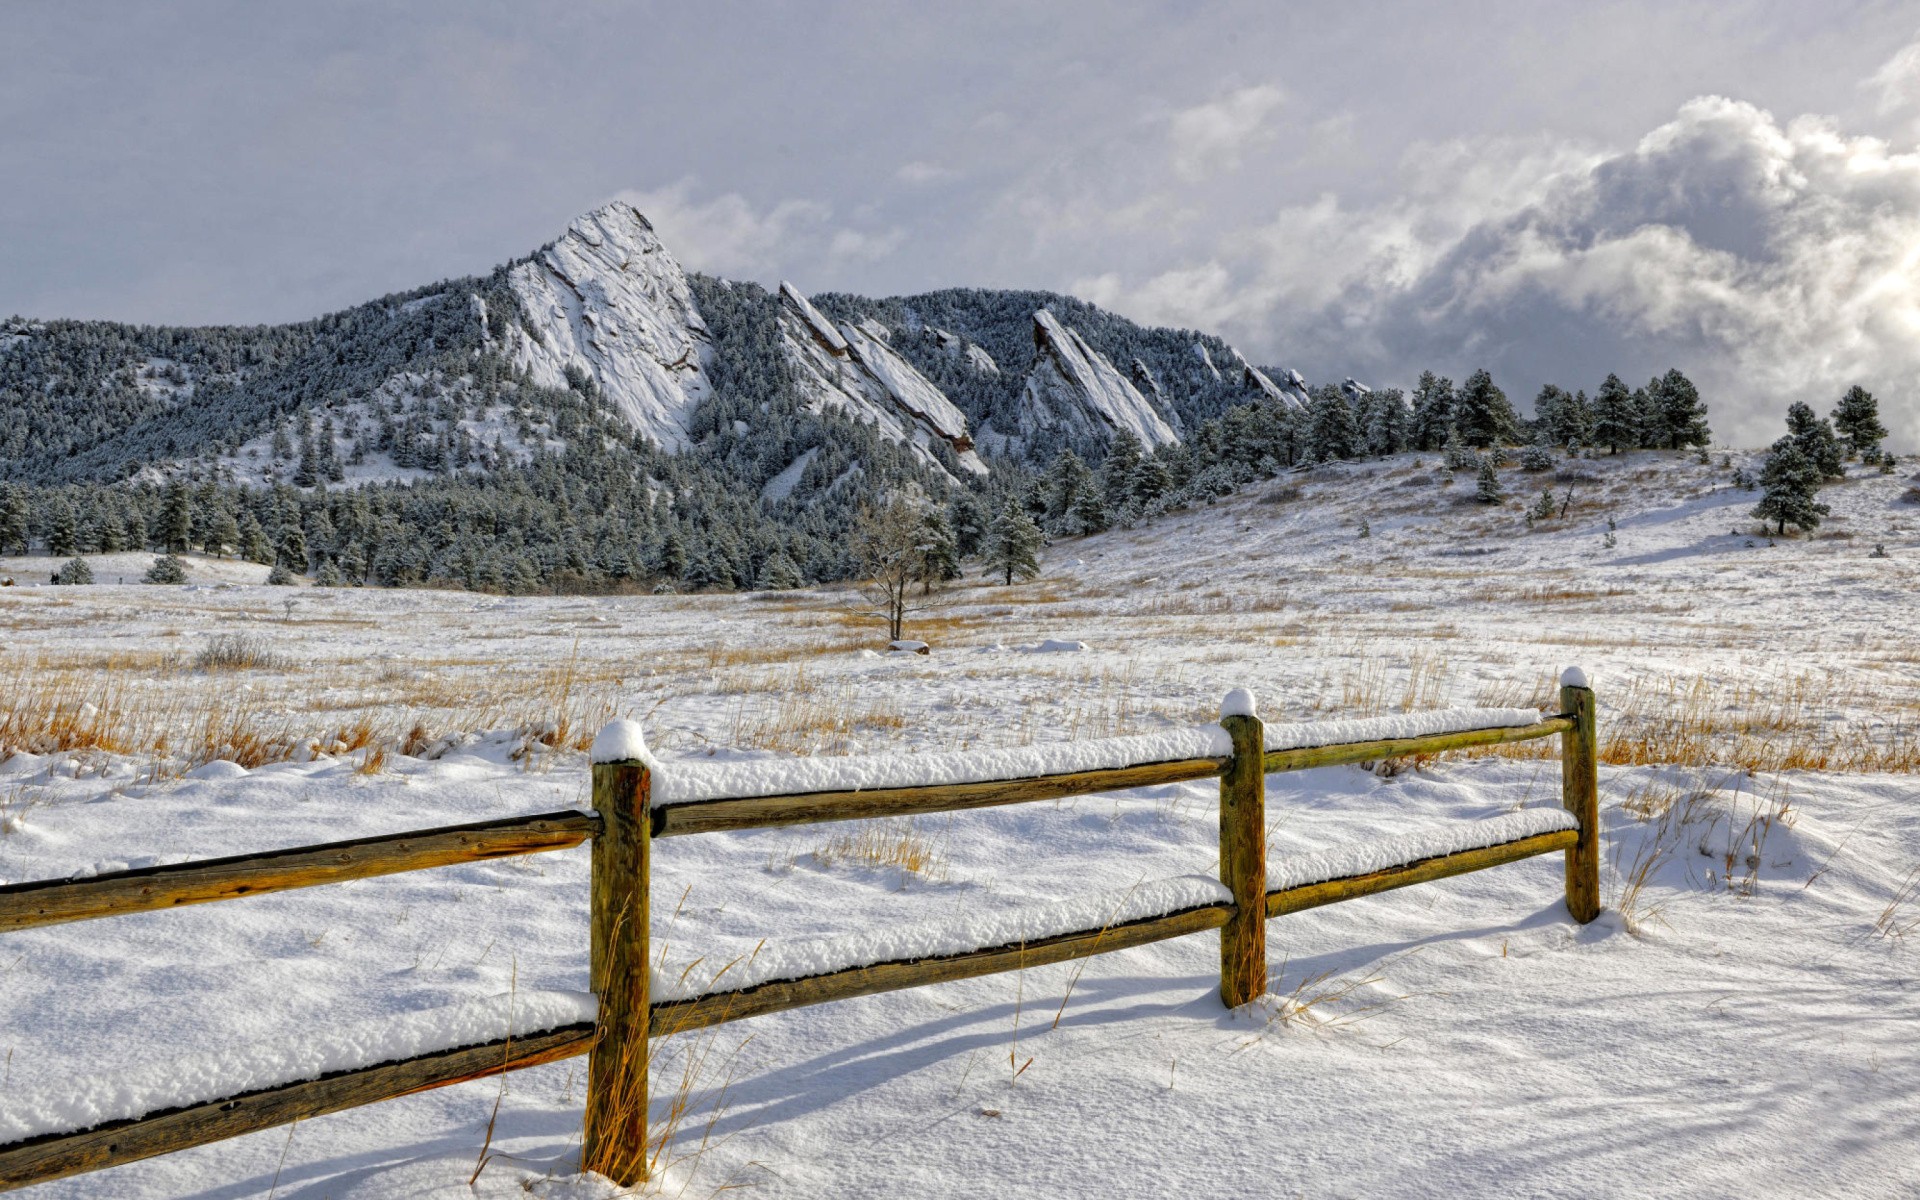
624	826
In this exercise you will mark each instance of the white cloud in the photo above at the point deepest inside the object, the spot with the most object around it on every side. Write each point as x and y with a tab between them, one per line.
1897	82
1210	138
919	173
727	234
1772	262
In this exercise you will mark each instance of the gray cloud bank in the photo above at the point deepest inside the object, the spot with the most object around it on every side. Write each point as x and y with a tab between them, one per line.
1772	261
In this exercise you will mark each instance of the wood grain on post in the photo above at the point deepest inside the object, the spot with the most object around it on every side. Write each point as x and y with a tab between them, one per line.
56	1156
54	901
1243	860
615	1141
1580	792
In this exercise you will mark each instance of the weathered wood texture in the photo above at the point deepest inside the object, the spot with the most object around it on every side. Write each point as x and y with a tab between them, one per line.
677	1016
1332	891
1432	743
615	1140
1243	862
59	1155
1580	792
53	901
756	812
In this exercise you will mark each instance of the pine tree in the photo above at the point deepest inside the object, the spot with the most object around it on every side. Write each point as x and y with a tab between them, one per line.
1089	512
1814	438
1563	419
254	546
280	576
1456	454
223	536
1067	479
1332	433
968	517
1432	411
1682	414
291	551
176	519
781	573
1615	421
1483	414
1116	473
74	571
1487	486
1857	420
63	530
166	569
939	560
1387	422
14	525
1792	480
1013	545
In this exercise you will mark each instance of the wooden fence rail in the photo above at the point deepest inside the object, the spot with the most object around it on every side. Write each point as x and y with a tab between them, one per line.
624	824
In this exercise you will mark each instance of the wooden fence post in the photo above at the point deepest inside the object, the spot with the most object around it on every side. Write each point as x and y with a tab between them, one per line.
615	1141
1580	792
1243	852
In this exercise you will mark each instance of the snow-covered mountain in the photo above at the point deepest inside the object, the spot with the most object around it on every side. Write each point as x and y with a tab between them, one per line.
608	299
605	328
1072	386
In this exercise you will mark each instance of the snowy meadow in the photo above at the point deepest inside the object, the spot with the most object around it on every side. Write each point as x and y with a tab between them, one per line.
1738	1020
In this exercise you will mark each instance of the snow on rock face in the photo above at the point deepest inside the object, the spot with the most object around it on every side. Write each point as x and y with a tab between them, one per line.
853	368
608	299
1294	395
1207	369
977	359
1073	386
887	942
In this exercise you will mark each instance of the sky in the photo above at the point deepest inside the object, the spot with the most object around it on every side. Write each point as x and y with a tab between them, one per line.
1550	190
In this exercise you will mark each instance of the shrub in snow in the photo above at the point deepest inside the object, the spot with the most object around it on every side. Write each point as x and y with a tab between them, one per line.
167	569
74	571
280	576
1536	458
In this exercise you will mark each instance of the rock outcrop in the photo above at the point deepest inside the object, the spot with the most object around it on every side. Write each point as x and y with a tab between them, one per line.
608	300
855	369
1072	387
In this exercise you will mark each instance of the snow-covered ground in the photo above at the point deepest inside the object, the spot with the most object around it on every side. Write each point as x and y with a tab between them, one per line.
1739	1021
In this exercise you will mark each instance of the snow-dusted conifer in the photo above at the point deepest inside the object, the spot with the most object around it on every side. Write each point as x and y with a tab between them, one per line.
1814	438
15	527
1616	423
74	571
1013	545
1791	479
1432	411
1487	486
166	569
280	576
1332	432
1483	414
63	529
1857	420
1681	412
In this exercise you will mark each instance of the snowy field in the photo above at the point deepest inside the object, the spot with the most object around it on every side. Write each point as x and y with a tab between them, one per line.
1740	1020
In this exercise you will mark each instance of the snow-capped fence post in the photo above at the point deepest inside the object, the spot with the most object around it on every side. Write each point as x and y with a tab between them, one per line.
1580	793
615	1138
1243	852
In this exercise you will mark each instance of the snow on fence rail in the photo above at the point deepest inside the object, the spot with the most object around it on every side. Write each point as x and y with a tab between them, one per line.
636	801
